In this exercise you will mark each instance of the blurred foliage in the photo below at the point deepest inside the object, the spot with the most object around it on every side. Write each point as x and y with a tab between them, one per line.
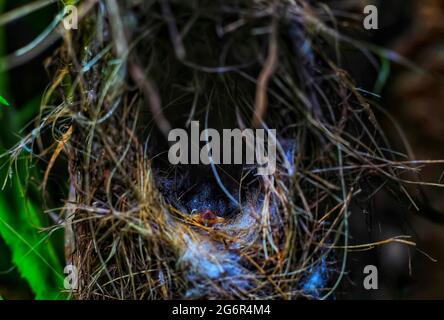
27	251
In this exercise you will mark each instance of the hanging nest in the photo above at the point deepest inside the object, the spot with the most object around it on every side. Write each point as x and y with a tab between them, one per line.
140	228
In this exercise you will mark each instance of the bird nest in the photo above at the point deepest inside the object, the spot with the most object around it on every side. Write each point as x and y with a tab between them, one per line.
138	227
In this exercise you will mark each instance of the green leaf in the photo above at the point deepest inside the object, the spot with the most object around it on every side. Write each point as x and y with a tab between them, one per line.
32	252
4	101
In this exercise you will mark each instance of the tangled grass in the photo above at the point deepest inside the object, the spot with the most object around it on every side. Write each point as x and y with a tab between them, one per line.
136	69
